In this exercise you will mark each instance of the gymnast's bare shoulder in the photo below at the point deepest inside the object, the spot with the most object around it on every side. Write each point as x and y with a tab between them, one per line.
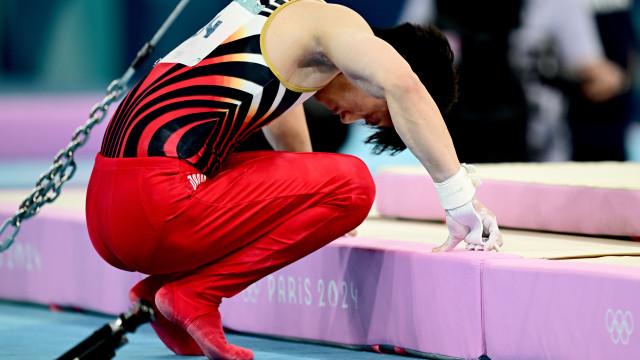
310	42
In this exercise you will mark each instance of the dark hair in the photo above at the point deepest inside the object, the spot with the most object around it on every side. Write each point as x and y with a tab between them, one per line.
428	53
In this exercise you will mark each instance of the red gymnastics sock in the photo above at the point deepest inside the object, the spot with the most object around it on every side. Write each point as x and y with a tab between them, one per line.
205	328
175	338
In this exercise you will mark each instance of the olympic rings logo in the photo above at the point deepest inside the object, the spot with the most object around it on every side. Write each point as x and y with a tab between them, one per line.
251	293
619	325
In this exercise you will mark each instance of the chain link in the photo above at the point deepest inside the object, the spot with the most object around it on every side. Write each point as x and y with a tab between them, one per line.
50	183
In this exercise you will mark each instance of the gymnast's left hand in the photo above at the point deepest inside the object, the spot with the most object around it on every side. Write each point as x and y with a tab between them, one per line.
474	224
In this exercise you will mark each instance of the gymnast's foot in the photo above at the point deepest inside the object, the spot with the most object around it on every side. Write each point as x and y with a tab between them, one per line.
205	328
175	338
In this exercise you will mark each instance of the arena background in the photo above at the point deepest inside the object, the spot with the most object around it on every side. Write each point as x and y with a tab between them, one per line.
68	47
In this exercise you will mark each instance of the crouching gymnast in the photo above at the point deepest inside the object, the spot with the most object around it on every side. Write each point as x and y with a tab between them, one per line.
168	196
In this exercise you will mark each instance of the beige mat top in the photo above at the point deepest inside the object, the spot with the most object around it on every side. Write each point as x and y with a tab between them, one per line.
612	175
613	260
528	244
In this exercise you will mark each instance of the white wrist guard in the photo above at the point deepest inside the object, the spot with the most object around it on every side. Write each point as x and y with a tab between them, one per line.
458	189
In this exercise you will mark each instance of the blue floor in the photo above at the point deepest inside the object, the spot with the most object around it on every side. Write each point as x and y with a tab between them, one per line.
34	332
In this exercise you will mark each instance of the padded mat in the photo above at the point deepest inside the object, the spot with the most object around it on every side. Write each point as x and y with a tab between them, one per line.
584	198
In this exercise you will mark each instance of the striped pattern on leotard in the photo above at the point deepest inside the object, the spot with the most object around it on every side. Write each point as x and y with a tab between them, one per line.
202	113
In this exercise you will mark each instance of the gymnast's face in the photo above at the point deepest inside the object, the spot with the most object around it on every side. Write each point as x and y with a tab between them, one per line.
343	98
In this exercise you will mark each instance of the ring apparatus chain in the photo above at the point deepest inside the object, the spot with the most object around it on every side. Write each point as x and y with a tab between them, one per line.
50	183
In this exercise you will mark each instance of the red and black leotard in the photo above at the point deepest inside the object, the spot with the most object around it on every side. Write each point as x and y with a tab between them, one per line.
207	96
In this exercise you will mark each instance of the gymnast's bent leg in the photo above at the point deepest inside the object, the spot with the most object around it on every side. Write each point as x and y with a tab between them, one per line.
122	234
294	203
263	211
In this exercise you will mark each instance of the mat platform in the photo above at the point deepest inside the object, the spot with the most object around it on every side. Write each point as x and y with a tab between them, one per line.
383	289
593	198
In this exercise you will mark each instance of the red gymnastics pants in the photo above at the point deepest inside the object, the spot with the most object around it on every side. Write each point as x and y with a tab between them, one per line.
262	211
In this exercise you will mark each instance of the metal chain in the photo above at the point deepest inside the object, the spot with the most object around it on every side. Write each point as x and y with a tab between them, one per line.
64	166
50	183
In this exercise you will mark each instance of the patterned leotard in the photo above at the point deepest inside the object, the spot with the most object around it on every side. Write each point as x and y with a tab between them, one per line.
207	95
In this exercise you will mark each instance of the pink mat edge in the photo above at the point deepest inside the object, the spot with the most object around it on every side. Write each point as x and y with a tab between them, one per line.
392	187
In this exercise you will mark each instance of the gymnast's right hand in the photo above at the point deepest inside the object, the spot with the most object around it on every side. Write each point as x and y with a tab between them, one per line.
474	224
467	219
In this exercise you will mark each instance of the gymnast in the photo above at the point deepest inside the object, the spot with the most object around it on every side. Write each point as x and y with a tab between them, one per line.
168	196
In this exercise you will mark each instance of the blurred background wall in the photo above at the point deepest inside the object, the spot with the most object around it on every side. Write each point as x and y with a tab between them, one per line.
72	45
79	46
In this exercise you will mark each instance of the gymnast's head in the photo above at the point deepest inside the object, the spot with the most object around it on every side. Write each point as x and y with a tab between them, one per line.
428	53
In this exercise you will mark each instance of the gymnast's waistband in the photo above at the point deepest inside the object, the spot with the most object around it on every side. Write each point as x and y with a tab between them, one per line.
155	162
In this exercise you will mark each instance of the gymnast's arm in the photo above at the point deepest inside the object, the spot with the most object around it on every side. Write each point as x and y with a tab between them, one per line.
289	132
379	71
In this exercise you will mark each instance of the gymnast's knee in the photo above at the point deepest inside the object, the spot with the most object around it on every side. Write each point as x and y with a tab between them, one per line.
358	187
